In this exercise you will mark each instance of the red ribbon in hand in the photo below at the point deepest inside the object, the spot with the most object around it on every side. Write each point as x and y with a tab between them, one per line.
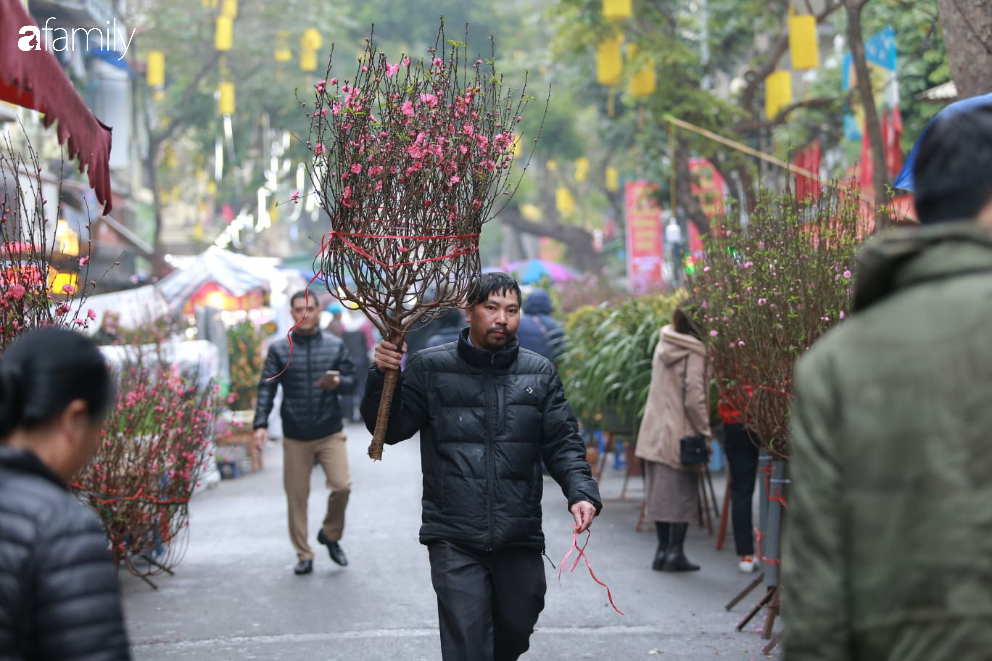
582	556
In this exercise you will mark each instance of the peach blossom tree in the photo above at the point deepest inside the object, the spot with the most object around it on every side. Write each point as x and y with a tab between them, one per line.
410	158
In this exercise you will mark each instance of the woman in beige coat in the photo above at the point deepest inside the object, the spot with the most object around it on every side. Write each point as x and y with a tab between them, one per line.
672	488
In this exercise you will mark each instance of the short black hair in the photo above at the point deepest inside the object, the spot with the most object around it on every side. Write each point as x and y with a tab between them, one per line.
45	370
301	294
952	174
492	283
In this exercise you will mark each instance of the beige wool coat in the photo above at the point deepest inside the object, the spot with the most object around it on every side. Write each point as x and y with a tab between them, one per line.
665	420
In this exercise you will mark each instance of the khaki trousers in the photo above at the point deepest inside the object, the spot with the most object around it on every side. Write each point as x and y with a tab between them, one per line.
298	456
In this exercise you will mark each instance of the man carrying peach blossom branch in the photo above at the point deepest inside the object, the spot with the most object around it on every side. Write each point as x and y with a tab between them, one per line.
488	412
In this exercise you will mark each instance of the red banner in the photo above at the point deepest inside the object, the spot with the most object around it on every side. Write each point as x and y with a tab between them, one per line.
644	242
708	186
710	189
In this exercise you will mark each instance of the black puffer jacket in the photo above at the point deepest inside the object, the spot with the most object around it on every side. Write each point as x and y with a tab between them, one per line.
486	421
308	411
59	597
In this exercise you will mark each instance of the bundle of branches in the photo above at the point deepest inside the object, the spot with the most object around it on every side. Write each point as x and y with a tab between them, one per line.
768	290
410	159
31	254
155	445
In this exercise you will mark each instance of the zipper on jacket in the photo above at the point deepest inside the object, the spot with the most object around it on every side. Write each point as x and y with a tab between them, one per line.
491	453
310	418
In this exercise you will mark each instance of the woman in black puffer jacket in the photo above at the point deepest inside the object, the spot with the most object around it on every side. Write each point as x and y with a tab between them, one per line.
59	597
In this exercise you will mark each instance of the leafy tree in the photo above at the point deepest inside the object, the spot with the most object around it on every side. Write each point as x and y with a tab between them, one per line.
695	53
186	119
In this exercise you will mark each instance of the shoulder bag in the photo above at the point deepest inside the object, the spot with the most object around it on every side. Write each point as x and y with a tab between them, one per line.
692	449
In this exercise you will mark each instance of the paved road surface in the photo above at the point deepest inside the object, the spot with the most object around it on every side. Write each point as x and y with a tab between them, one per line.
234	596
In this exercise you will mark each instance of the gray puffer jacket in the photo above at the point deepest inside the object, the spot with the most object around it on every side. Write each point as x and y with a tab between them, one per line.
59	596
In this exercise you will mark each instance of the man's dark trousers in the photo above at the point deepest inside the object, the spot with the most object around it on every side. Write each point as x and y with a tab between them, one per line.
742	459
488	603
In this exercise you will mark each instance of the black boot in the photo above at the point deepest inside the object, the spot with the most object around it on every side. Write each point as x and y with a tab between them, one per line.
675	559
664	531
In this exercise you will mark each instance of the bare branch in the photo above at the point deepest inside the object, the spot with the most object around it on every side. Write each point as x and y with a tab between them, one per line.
783	114
165	134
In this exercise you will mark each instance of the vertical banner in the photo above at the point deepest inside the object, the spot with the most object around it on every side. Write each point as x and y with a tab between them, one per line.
880	51
644	244
711	190
708	186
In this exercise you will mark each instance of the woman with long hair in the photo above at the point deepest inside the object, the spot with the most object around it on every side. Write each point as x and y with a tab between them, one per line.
59	596
677	407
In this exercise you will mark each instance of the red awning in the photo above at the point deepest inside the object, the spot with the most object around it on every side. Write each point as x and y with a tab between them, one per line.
33	79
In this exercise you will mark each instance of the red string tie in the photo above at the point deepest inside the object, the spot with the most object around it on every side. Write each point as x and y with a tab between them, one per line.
582	556
325	244
107	498
758	536
776	493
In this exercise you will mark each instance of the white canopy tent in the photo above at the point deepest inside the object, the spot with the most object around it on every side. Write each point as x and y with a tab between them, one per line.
136	307
238	274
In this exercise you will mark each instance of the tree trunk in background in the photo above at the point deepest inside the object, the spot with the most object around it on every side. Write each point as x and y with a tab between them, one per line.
581	253
151	175
684	196
865	93
968	38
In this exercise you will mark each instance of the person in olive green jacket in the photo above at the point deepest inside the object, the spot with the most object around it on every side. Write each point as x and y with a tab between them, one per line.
888	553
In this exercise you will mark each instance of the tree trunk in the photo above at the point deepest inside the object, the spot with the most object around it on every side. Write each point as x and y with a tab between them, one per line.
683	189
579	242
159	265
872	125
968	38
152	171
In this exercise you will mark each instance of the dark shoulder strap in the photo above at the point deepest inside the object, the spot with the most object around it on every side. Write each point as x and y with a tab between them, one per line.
685	387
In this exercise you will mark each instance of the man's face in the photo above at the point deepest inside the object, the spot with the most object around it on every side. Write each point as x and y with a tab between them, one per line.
301	308
493	323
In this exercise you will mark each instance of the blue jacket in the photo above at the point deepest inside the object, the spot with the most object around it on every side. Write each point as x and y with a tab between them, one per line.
538	330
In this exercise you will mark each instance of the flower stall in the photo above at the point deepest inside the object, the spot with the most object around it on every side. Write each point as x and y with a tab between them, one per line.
765	293
155	449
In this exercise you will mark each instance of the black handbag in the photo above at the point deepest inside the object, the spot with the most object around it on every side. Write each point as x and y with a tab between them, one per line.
692	449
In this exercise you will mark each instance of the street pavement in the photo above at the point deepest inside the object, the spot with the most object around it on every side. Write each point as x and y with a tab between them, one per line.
234	595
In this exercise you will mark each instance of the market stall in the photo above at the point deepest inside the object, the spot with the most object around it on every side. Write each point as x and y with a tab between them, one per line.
34	79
